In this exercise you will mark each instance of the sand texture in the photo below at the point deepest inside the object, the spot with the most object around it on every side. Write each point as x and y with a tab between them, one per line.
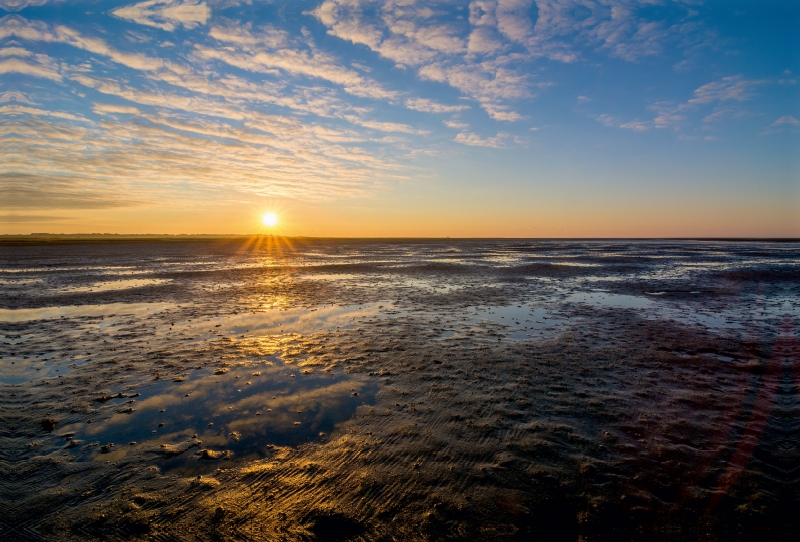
270	389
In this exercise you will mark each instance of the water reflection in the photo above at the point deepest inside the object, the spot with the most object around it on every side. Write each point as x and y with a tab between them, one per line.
520	321
45	313
113	285
245	411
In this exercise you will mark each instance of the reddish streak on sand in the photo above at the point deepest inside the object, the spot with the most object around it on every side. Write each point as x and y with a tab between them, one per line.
786	348
722	431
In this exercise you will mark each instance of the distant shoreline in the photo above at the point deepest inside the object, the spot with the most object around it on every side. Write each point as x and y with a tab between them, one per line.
45	239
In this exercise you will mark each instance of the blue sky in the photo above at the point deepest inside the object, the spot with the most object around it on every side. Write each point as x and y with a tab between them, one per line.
401	117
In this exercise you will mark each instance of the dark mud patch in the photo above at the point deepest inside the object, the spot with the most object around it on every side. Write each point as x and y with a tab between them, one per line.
333	526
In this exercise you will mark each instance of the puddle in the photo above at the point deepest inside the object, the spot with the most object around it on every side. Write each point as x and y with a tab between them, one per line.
522	321
722	357
714	355
245	411
114	285
300	321
19	282
333	276
606	299
73	311
433	285
15	370
684	314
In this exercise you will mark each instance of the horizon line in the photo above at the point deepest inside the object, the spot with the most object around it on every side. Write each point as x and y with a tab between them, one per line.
220	236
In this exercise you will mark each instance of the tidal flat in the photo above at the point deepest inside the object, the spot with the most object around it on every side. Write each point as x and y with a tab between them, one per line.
317	389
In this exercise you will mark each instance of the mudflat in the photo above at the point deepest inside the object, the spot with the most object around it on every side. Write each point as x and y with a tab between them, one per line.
293	389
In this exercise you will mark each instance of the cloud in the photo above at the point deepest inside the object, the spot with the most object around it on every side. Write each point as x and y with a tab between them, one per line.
486	82
15	96
456	125
668	119
385	126
722	91
166	14
474	140
429	106
451	53
786	120
513	20
15	219
481	13
487	56
719	113
21	67
607	120
19	5
17	110
103	109
255	109
611	121
50	160
15	51
34	192
189	127
269	49
485	41
787	79
635	125
786	123
242	36
734	88
14	26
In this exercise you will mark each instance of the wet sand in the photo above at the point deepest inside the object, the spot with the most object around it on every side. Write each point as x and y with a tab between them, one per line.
405	390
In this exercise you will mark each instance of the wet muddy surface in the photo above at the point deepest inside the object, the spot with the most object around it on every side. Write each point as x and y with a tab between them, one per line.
275	389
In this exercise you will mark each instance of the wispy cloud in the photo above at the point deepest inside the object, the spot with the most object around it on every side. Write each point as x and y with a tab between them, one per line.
474	140
429	106
166	14
466	59
786	123
269	49
149	139
786	120
720	93
103	109
456	124
19	5
14	26
485	56
22	67
611	121
119	112
15	96
28	218
733	88
20	110
787	79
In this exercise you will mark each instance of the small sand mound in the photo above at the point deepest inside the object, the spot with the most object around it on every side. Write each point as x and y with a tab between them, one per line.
175	449
215	454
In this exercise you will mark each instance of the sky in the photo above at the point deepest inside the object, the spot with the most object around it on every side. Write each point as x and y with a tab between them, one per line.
374	118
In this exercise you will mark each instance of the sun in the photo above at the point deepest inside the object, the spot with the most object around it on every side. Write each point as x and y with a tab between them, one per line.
269	219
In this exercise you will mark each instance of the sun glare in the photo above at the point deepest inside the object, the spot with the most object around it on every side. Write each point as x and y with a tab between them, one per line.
269	219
